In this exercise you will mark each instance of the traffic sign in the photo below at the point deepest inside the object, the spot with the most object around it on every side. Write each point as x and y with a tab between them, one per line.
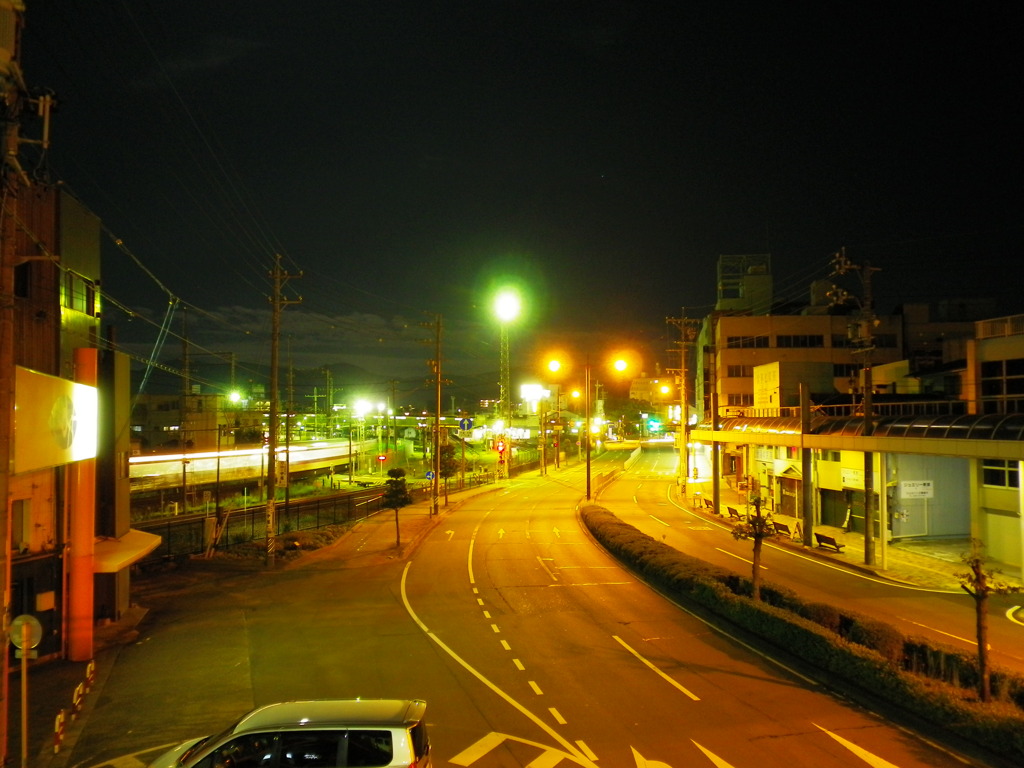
465	424
17	632
430	475
382	457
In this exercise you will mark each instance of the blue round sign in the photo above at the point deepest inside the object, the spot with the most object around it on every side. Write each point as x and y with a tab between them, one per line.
430	475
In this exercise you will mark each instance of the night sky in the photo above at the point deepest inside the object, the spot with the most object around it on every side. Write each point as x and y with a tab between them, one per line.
407	156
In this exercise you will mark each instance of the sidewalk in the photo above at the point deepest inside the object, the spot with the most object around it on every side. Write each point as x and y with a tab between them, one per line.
931	563
52	685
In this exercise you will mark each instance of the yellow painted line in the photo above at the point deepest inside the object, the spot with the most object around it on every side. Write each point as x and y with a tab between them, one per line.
585	749
668	679
868	757
947	634
715	759
571	748
748	562
1012	615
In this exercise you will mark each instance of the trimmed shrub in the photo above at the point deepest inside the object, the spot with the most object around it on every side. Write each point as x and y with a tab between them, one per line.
864	653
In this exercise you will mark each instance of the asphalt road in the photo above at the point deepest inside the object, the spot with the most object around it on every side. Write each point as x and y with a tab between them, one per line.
530	644
645	498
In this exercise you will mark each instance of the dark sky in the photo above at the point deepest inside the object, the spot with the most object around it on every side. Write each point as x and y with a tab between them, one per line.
406	155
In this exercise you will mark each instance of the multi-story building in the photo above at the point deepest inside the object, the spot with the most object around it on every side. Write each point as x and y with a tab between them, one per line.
950	472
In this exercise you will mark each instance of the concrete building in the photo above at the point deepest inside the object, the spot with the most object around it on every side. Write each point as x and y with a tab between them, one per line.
952	474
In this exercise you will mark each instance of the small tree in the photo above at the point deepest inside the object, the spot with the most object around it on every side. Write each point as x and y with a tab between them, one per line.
396	496
979	583
449	466
757	528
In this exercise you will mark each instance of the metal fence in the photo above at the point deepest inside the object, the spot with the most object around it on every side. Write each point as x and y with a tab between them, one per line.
187	536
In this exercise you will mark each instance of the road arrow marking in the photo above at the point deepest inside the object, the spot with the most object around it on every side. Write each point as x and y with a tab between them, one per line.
642	762
549	756
712	756
450	534
863	754
501	533
1012	615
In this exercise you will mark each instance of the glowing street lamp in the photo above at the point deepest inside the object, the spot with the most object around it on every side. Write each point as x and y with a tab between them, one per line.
507	306
620	365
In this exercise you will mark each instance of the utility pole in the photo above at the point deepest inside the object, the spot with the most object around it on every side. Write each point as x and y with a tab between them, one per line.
277	303
863	339
437	381
688	332
14	180
392	430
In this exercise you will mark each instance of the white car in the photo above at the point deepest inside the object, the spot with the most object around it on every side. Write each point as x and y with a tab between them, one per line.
335	733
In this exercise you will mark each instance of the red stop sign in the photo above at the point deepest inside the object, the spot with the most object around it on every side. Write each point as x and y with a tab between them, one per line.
382	457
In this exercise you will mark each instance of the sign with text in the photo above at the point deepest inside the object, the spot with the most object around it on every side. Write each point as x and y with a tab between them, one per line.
917	489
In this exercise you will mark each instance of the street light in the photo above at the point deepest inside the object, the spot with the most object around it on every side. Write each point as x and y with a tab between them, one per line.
507	306
620	365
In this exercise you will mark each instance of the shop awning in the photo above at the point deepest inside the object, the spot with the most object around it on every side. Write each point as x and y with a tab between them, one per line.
113	555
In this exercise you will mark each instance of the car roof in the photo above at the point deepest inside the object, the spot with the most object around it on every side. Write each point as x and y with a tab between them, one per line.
334	712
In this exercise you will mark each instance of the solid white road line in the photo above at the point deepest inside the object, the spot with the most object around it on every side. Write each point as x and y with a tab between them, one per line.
668	679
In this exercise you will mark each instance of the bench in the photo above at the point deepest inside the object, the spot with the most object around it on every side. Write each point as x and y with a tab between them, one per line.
734	514
710	505
824	540
782	529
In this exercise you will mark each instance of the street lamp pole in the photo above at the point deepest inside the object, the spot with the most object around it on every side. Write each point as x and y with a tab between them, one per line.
587	422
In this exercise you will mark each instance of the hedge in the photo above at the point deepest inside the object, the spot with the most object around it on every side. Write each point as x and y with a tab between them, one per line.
933	682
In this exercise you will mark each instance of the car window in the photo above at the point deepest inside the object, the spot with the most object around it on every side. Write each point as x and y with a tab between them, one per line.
369	749
251	750
311	749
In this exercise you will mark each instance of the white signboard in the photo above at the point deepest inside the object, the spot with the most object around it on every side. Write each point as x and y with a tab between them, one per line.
916	489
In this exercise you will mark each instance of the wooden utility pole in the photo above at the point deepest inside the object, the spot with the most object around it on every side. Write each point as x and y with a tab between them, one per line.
14	179
863	339
688	331
437	381
277	303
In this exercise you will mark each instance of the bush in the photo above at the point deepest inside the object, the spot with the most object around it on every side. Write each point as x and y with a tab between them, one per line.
864	653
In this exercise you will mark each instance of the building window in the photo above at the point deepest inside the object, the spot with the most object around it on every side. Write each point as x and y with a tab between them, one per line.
1002	386
824	455
746	399
740	371
747	342
884	340
841	340
1000	473
802	340
21	524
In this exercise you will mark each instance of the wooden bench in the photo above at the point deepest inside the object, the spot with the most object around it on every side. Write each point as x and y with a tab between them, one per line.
782	529
710	505
824	540
734	514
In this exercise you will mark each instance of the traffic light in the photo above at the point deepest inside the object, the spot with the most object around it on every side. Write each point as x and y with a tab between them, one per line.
500	445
